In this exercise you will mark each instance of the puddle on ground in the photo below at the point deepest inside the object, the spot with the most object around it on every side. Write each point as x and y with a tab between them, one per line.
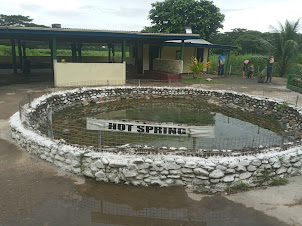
96	203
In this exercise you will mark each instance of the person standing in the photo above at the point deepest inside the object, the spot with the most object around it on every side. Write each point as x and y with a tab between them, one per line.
269	70
221	62
244	66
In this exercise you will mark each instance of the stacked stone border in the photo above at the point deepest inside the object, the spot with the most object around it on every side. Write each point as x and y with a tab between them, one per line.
170	169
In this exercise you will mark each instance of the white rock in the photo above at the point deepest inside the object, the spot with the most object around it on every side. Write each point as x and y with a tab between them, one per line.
221	167
172	166
215	181
170	181
129	173
186	170
153	173
244	176
170	160
159	163
277	165
228	178
156	168
241	168
244	163
143	166
100	174
138	161
190	164
143	171
88	173
117	163
297	164
99	164
200	171
105	161
180	161
216	174
256	162
230	171
233	165
251	168
281	170
165	172
147	180
150	161
75	163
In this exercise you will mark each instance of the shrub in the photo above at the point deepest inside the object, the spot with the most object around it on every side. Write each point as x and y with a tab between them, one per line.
197	66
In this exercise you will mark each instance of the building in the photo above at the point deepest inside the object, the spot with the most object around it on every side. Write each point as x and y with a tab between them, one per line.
129	54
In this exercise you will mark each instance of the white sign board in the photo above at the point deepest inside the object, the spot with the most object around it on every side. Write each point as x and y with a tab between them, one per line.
150	128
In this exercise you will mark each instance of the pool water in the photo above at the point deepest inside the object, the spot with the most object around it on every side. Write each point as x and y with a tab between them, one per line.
232	128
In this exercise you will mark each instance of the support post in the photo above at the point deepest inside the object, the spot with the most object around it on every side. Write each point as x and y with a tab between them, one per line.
194	143
195	52
14	58
99	139
109	53
20	111
74	52
113	53
297	100
49	121
182	50
161	51
54	48
124	51
282	141
20	53
80	52
24	50
29	99
227	64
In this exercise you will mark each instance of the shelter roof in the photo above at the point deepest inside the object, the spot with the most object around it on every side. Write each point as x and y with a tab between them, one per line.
199	43
63	34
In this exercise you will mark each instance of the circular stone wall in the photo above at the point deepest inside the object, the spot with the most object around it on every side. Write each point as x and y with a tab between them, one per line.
164	168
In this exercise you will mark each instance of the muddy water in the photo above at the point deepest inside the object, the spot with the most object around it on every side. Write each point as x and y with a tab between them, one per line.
232	128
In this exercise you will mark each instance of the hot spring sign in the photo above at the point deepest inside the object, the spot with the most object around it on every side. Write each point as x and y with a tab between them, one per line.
150	128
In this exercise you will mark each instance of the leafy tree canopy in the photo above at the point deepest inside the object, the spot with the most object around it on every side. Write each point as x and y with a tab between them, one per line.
18	21
287	43
172	16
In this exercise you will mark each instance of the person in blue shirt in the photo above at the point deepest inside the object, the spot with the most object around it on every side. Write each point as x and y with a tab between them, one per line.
221	62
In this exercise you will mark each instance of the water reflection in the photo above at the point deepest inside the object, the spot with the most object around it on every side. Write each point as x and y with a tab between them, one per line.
170	207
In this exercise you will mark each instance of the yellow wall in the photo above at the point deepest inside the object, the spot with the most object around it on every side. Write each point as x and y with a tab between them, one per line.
188	53
169	52
146	57
89	74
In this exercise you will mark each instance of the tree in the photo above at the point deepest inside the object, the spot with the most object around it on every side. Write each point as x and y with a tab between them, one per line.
228	38
253	42
18	21
172	16
287	45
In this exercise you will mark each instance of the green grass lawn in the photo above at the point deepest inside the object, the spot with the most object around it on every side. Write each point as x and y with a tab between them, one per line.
187	80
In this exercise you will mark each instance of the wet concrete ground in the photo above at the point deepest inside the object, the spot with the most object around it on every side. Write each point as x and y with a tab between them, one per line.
34	192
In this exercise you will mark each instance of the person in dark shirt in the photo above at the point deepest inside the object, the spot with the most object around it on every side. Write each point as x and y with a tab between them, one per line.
270	62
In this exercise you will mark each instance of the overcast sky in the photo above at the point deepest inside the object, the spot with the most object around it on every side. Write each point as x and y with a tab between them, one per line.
132	15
